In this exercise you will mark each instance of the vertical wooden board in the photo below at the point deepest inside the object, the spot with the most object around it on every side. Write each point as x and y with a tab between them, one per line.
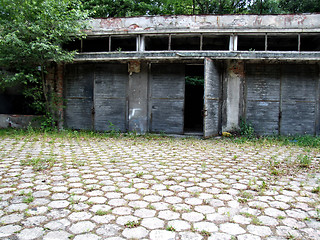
264	116
263	97
167	86
298	118
79	96
79	81
110	114
110	93
167	115
77	115
110	80
299	93
212	82
263	82
298	82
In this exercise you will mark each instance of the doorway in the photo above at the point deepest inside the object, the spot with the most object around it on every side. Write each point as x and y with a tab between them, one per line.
194	91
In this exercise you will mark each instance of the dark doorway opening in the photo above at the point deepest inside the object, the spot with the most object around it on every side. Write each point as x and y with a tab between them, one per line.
194	90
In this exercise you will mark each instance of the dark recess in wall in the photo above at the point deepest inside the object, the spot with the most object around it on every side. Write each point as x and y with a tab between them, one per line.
215	42
123	43
157	43
14	102
251	43
283	43
193	119
185	42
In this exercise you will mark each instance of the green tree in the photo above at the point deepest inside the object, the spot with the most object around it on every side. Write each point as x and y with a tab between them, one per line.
32	33
304	6
265	7
121	8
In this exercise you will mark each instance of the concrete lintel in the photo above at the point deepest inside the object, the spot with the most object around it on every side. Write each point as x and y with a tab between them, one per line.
225	31
200	23
227	55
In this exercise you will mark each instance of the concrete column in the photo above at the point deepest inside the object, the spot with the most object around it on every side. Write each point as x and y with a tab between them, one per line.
231	42
142	43
233	95
235	43
138	98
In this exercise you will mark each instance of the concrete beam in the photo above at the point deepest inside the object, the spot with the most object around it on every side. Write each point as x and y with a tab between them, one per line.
181	55
206	23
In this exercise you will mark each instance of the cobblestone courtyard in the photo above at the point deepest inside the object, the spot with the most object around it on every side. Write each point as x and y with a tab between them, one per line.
157	188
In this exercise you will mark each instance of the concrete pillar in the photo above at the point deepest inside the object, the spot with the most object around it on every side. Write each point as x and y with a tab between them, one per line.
231	42
138	98
142	43
233	85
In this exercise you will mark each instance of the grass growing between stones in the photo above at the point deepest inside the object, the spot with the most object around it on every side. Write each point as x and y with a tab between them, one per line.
132	224
38	164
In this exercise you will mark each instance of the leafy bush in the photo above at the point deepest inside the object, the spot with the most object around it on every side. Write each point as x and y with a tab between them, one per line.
246	129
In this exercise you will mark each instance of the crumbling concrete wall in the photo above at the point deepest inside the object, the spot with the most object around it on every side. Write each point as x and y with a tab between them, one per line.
18	121
205	23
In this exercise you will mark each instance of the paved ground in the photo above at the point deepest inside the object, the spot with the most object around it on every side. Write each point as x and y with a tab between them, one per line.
137	188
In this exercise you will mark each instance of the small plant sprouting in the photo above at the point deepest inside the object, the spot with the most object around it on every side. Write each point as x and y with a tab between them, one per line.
150	207
38	163
28	199
203	166
139	174
170	228
316	189
101	212
304	161
205	233
132	224
246	129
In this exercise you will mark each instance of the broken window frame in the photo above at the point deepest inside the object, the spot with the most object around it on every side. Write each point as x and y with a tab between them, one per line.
140	41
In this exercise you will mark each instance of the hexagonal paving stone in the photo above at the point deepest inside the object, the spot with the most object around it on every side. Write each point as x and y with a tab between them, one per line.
193	216
82	227
138	233
30	233
145	213
162	235
232	228
152	223
205	226
108	230
168	215
55	235
7	230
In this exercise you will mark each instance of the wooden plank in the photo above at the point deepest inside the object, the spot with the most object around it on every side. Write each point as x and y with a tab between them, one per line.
212	83
79	96
263	97
167	86
299	93
110	97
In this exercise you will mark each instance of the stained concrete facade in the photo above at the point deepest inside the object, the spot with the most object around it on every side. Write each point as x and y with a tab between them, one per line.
130	74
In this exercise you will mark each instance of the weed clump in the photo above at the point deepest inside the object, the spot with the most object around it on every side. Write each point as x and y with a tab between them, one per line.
38	164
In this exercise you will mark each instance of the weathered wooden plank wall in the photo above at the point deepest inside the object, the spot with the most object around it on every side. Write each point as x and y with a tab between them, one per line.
78	87
110	97
167	87
212	97
281	99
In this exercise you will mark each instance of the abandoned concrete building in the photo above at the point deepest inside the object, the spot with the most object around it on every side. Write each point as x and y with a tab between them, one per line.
131	74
